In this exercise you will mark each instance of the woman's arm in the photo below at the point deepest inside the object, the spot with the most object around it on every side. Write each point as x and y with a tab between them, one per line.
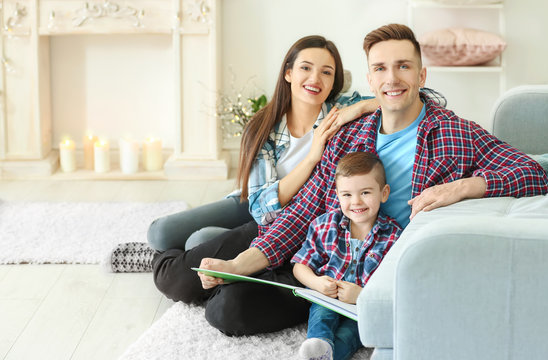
352	112
292	182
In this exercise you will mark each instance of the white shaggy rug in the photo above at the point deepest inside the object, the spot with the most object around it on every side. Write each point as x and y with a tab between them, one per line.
66	232
183	333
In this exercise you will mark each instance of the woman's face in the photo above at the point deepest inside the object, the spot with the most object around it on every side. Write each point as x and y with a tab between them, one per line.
312	76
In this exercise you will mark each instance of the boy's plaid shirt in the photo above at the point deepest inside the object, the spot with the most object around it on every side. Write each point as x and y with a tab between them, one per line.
448	148
327	247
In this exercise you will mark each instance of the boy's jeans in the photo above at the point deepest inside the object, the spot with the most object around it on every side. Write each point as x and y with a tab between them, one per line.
339	331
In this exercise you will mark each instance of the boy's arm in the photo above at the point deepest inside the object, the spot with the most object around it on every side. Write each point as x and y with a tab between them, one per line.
323	284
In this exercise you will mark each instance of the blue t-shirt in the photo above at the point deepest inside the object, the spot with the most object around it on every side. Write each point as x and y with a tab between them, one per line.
397	153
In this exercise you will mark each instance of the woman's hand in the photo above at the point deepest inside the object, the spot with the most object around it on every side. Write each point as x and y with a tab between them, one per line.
352	112
348	292
322	134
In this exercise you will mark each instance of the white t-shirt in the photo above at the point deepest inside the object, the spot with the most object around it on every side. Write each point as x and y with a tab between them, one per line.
296	151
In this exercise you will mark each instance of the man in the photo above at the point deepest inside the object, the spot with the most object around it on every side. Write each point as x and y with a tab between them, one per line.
432	158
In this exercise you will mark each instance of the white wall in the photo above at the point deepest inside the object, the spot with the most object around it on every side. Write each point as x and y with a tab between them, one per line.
257	34
115	85
112	86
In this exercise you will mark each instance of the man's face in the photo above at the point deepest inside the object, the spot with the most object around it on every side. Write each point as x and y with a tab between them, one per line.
395	75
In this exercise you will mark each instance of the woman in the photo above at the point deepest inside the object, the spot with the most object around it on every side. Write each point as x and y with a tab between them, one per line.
287	138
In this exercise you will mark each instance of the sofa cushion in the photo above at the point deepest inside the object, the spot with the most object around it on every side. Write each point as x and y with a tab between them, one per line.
375	303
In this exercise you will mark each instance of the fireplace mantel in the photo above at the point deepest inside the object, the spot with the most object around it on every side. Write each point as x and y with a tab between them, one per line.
25	107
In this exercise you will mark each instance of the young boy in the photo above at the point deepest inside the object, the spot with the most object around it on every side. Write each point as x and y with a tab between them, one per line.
342	250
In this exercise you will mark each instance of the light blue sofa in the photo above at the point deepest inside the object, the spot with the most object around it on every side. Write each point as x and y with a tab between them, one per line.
469	281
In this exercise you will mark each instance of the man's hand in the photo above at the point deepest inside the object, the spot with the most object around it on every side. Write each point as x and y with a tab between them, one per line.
447	194
209	282
246	263
348	292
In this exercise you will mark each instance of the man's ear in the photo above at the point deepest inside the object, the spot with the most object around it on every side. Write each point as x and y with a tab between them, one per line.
385	193
422	77
369	80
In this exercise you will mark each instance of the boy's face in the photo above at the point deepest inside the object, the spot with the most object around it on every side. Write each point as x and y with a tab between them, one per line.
360	197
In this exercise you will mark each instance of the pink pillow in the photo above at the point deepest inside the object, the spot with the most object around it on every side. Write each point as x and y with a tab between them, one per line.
461	47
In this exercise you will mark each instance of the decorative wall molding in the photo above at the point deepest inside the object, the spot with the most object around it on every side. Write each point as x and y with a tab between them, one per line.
14	24
107	9
198	11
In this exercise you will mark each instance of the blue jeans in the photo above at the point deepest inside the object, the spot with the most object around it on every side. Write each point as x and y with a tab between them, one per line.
187	229
338	330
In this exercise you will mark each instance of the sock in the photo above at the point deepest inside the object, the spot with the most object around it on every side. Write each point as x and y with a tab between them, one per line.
316	349
131	257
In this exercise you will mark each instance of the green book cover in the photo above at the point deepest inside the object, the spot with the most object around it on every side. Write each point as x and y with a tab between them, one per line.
348	310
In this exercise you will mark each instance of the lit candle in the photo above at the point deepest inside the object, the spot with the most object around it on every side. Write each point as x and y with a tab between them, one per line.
67	155
101	156
152	154
129	155
89	141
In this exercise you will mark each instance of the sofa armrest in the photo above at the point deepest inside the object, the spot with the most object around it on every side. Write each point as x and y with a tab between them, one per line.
473	287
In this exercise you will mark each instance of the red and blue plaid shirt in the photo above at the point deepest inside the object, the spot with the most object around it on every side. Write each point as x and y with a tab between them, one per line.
327	247
448	148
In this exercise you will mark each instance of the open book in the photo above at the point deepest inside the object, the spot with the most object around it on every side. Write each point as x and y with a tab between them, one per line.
348	310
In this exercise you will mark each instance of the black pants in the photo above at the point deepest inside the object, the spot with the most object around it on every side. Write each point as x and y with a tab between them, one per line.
240	308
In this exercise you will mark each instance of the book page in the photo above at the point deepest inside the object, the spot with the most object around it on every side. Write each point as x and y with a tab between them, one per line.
228	277
348	310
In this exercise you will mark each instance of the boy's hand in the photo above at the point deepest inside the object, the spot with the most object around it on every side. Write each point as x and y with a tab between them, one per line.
327	286
348	292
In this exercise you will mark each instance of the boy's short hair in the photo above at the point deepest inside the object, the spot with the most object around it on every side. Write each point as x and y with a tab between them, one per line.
361	163
390	32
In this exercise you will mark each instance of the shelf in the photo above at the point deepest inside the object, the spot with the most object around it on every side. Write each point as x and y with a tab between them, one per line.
115	174
461	69
432	4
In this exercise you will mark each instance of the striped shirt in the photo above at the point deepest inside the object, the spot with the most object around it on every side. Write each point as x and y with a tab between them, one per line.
448	148
327	249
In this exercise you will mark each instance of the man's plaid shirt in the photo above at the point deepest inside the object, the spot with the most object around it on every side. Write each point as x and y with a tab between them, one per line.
448	148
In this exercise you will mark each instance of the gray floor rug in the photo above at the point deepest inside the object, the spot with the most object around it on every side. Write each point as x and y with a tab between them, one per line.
67	232
183	333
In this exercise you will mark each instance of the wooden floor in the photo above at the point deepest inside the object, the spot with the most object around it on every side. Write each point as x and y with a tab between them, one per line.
80	311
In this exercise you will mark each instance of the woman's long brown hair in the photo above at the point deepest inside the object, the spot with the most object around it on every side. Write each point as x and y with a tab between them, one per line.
256	132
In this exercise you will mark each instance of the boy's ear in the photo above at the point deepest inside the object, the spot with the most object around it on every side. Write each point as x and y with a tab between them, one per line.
385	192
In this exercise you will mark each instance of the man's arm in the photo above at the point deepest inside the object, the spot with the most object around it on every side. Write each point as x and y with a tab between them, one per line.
284	237
447	194
497	170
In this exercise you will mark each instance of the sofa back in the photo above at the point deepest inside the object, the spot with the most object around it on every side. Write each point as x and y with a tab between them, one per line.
520	118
